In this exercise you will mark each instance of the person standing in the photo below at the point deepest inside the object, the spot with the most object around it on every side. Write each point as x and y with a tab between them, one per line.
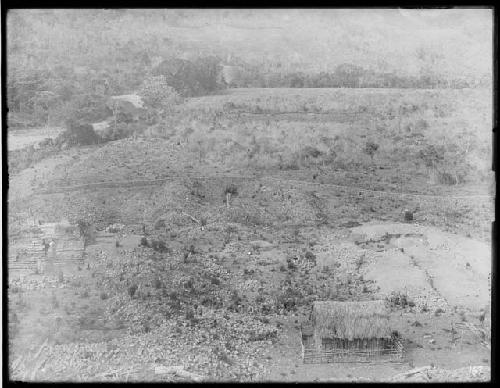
45	247
52	246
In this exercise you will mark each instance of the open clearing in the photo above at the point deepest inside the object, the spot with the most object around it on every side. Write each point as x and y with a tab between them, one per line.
23	138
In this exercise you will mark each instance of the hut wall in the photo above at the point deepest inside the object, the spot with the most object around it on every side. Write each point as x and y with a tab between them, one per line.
364	344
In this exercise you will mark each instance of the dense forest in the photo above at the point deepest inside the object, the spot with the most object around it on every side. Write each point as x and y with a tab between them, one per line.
66	63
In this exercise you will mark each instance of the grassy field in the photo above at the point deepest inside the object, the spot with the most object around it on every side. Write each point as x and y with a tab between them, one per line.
226	294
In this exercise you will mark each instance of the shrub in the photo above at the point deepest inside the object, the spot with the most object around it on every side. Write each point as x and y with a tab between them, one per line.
310	151
174	296
189	284
54	301
431	155
160	224
132	289
79	133
398	299
144	242
188	78
421	124
359	262
158	94
310	256
157	283
119	131
159	246
370	149
290	264
446	178
104	295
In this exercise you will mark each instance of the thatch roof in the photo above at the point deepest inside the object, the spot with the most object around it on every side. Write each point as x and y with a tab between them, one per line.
349	320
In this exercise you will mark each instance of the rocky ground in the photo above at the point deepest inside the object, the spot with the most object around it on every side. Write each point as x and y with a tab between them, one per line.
234	313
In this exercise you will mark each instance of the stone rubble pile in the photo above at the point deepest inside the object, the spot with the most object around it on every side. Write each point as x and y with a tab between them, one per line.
221	346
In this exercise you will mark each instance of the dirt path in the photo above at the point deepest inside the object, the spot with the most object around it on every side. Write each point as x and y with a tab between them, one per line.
154	182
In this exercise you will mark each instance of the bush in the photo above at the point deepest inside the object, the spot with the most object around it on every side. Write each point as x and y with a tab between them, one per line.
79	133
189	314
445	178
158	94
86	231
370	149
160	224
431	155
54	301
310	151
421	125
119	131
398	299
190	78
290	264
157	284
144	242
104	295
159	246
310	256
132	289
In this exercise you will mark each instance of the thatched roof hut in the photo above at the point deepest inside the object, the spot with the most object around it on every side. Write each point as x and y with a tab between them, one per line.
350	320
